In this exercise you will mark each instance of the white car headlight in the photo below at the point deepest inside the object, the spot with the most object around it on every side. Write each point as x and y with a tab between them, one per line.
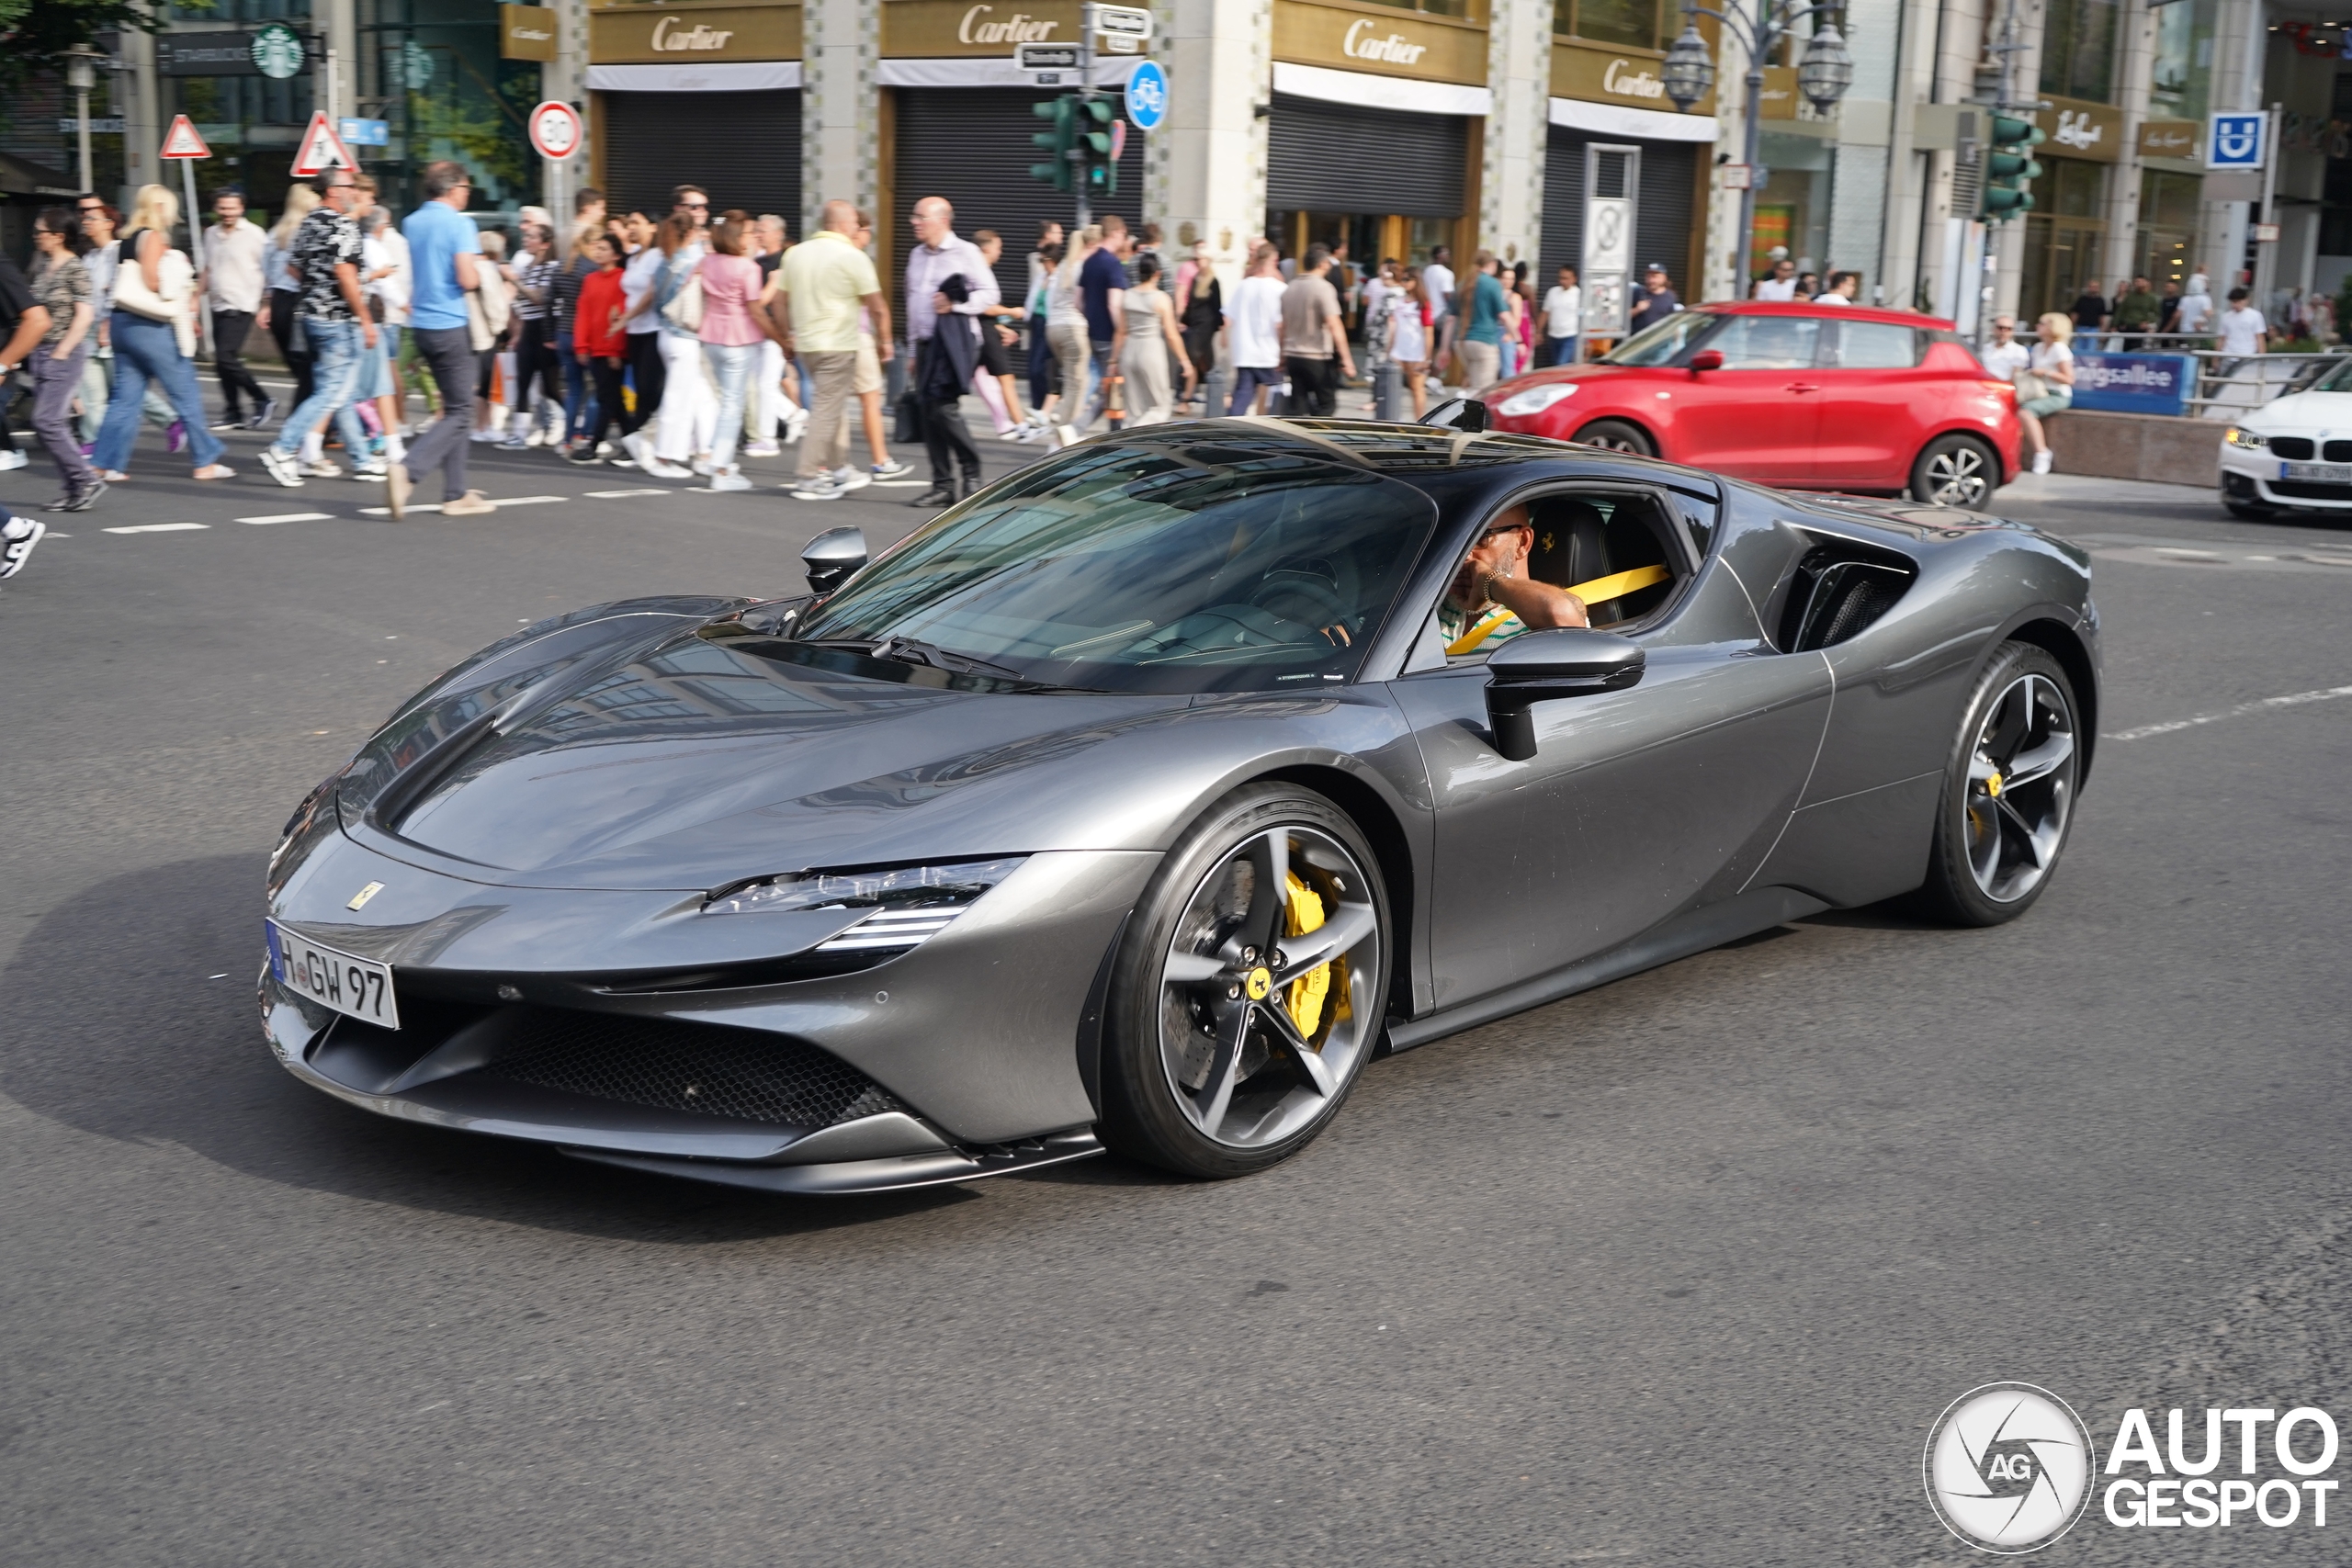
907	904
1535	400
2238	436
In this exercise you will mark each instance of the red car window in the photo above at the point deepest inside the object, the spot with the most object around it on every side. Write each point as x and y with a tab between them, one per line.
1767	342
1875	346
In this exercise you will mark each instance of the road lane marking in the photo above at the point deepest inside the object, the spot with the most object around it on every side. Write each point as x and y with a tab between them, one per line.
621	494
158	527
494	500
292	517
2259	704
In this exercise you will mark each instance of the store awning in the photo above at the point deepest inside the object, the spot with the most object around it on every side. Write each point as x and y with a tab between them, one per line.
721	77
1642	125
1363	88
21	176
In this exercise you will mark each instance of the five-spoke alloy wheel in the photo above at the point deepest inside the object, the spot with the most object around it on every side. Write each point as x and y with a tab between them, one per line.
1250	989
2009	794
1955	470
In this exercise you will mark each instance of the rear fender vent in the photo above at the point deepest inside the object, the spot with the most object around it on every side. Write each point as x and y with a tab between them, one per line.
1838	589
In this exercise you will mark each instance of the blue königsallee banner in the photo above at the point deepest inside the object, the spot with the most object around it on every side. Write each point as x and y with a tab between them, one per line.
2134	383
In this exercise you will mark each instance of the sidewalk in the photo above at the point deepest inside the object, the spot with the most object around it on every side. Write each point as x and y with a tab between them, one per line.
2047	489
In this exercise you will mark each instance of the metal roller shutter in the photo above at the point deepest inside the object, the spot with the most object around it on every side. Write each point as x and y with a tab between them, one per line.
1661	214
1325	157
743	148
971	145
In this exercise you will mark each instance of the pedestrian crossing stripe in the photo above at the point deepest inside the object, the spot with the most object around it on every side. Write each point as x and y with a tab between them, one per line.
494	500
621	494
292	517
158	527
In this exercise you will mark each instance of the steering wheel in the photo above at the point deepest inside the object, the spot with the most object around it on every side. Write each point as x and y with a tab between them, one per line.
1300	597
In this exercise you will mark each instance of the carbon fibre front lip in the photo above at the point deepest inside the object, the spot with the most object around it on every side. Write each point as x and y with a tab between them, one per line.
895	1174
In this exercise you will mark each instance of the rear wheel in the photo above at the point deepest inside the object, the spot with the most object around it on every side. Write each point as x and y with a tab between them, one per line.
1955	470
1617	436
2008	793
1251	989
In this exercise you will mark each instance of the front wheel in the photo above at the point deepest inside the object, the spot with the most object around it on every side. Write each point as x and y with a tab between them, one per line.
2009	793
1955	470
1251	987
1617	436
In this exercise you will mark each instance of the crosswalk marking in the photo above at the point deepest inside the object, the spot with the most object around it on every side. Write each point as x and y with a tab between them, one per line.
622	494
158	527
292	517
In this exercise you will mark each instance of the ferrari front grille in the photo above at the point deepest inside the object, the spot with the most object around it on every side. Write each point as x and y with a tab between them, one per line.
690	1067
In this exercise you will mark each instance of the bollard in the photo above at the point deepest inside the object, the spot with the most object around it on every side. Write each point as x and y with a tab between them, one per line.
1218	392
1389	392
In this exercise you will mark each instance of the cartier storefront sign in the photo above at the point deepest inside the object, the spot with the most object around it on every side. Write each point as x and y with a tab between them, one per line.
692	33
1602	75
1381	41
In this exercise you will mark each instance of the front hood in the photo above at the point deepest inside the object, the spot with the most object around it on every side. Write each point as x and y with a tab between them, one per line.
694	763
2301	414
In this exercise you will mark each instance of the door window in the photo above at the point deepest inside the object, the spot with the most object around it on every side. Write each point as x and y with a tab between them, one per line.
1614	551
1767	342
1873	345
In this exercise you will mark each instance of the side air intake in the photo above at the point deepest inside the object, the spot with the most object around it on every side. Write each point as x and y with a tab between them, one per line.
1840	589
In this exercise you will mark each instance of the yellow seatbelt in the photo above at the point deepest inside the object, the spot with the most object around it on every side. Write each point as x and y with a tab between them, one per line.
1599	591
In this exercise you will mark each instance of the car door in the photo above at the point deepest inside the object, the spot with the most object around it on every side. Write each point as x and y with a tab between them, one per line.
1637	805
1754	418
1870	405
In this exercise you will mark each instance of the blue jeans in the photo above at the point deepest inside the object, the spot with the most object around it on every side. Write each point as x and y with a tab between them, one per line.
579	398
146	350
730	367
1246	379
338	357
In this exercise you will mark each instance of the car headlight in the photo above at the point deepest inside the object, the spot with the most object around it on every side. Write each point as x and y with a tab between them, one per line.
1535	400
2234	436
908	903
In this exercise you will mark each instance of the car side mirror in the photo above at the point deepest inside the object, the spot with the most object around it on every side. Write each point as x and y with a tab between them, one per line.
1458	413
834	556
1537	667
1706	359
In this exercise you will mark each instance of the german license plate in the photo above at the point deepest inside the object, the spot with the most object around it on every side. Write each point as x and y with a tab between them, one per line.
2326	473
357	988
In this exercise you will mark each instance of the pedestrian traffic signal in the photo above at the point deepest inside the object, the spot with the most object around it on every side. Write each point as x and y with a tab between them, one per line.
1060	141
1098	147
2009	168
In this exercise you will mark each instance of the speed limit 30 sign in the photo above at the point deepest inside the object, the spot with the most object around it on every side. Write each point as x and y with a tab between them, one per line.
556	130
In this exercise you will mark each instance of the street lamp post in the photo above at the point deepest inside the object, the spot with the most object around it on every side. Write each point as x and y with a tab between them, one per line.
80	76
1823	76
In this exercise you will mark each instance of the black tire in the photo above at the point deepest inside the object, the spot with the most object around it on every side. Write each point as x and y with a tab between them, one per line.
1618	435
1152	1017
2027	813
1955	470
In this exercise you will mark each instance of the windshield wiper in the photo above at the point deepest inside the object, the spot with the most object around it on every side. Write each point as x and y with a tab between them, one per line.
914	651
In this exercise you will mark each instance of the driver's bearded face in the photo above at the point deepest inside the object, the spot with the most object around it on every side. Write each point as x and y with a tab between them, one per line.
1500	548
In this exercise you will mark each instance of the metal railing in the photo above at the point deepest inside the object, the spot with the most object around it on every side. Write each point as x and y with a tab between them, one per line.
2228	384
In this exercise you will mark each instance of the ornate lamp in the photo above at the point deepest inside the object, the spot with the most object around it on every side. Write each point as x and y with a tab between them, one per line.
1690	71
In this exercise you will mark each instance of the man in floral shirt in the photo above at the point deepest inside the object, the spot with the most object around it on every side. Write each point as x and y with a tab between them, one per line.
333	316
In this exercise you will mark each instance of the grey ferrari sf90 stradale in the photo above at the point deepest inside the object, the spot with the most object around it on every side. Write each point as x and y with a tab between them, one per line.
1142	800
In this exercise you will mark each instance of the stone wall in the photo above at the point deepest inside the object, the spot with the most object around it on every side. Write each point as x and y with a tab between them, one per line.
2153	447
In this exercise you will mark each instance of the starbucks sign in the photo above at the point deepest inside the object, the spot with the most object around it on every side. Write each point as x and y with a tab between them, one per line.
277	51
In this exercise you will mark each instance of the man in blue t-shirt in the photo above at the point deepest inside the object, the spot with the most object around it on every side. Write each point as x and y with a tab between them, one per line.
1101	294
1482	333
444	252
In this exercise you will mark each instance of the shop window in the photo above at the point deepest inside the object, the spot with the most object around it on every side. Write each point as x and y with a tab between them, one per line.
1462	10
1629	24
2078	50
2072	188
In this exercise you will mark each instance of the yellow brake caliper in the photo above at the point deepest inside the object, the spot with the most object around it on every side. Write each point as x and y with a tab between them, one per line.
1303	913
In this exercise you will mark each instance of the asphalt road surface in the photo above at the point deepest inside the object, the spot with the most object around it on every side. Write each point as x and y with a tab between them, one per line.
1679	1271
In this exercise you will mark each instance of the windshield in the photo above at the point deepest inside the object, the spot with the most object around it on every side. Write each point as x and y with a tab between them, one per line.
1214	565
2327	376
1658	345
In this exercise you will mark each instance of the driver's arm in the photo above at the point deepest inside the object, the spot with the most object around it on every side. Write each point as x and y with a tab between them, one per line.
1539	605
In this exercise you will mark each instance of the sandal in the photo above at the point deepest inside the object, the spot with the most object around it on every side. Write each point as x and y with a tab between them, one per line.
216	471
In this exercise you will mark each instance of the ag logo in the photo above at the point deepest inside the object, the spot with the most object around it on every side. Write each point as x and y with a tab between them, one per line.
2008	1468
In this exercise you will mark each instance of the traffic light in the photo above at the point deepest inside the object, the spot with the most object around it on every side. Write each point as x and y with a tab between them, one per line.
1098	147
1060	141
2010	167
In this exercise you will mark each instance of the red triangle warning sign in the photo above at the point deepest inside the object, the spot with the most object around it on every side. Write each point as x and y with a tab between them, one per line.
321	149
182	142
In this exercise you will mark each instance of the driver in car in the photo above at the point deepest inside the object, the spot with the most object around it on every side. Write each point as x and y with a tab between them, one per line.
1492	599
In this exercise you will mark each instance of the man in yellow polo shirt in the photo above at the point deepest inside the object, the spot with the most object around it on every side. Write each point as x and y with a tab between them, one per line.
825	281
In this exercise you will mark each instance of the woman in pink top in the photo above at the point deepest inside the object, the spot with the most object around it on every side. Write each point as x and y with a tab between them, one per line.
730	338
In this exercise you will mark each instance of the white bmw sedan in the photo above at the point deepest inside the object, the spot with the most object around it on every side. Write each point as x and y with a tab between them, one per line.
2294	452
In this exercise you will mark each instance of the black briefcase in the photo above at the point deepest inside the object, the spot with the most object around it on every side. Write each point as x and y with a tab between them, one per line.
909	430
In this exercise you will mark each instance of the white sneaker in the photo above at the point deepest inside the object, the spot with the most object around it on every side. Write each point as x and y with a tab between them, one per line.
323	468
12	460
640	449
18	537
762	449
893	469
488	433
281	467
701	466
2042	462
661	470
366	472
730	479
795	424
821	487
847	478
515	444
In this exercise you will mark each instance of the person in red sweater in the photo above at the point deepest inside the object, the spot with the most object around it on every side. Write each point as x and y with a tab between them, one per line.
597	342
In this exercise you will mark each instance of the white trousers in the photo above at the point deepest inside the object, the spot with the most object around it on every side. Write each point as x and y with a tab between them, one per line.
775	404
689	410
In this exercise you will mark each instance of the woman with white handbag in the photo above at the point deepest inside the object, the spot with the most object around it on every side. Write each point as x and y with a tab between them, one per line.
154	330
688	417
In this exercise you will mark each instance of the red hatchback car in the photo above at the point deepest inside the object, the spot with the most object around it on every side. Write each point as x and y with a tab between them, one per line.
1802	397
